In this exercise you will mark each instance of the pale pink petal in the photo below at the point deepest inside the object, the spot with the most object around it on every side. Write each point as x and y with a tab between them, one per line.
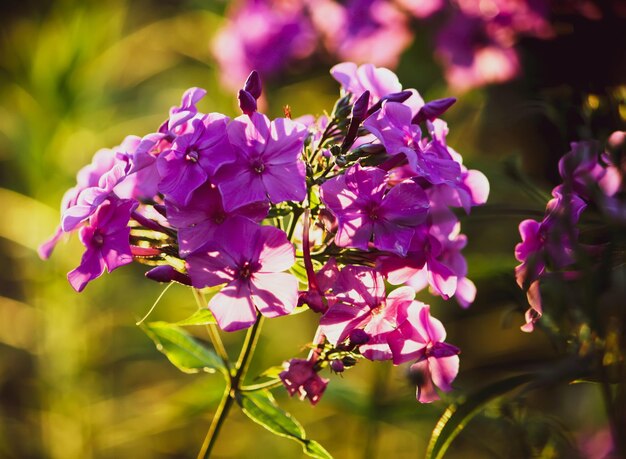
277	253
233	308
274	294
443	371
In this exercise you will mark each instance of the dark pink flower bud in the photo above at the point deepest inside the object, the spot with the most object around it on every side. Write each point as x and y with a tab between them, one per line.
165	273
395	97
337	366
253	85
247	102
433	109
359	112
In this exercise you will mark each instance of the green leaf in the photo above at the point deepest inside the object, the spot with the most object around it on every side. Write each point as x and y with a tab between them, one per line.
200	317
261	407
186	353
456	417
298	270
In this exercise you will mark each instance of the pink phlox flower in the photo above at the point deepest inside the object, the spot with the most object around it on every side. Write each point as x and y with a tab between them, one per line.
433	259
103	178
268	166
586	167
354	79
300	377
262	35
367	209
177	123
106	239
429	160
361	303
420	336
373	31
250	260
194	157
197	221
546	243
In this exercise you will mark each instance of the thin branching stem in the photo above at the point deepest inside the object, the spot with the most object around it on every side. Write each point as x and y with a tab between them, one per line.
214	334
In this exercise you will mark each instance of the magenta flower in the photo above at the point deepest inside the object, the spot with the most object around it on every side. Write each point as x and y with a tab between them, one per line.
361	303
197	221
268	164
420	336
262	35
300	376
365	208
546	243
373	31
354	79
106	238
194	157
187	110
249	259
430	160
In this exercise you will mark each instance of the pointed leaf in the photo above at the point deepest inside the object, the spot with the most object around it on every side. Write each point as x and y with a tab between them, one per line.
185	352
456	417
261	407
200	317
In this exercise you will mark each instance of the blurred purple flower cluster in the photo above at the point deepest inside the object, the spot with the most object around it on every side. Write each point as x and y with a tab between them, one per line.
593	181
211	201
474	42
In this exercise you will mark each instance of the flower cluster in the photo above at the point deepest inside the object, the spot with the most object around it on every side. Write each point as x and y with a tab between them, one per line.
357	200
592	181
475	44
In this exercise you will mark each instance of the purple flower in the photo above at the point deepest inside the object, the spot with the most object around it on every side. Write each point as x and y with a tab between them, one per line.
358	79
194	157
430	160
89	199
197	221
249	259
373	31
300	376
546	243
262	35
106	239
420	336
366	209
361	303
268	164
177	122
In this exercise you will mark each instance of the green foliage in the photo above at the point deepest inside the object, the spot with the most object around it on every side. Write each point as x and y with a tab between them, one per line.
200	317
456	417
186	353
261	407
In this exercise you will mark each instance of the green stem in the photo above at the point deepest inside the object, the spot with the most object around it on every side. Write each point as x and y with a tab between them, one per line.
220	416
232	387
214	334
264	385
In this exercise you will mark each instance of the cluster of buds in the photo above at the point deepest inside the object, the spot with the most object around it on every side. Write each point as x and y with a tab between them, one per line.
302	212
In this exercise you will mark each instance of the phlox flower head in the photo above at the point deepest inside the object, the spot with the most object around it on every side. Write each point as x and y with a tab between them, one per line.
367	210
194	157
262	35
361	303
267	165
106	238
249	259
420	336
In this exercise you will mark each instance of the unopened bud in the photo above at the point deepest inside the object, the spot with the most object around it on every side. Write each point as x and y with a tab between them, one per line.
253	84
337	366
247	103
358	337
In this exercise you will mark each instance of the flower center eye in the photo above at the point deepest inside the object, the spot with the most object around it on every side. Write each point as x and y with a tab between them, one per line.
98	239
219	218
245	272
192	156
258	166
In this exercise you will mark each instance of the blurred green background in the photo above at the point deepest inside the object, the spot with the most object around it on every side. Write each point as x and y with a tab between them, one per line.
78	379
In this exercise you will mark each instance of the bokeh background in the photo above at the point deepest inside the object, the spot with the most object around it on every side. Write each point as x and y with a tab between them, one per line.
78	379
